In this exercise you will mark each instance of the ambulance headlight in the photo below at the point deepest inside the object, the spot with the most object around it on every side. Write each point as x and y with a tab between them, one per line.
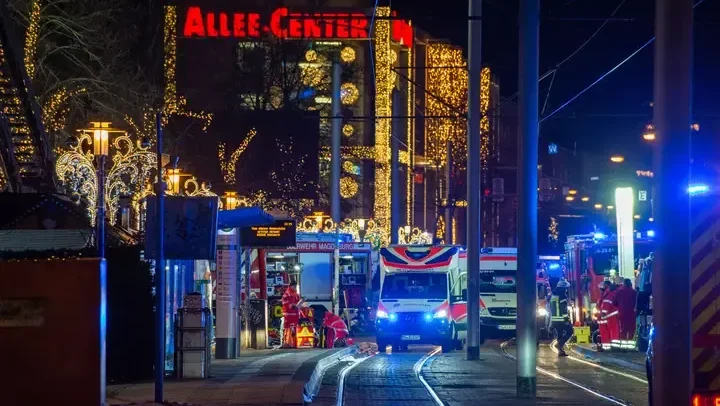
381	314
440	314
542	312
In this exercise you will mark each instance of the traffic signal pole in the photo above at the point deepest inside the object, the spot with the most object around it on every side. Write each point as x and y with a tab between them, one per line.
672	372
529	61
474	241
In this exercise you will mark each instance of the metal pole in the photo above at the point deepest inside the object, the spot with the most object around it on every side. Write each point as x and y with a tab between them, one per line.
395	170
527	186
246	299
159	271
335	186
448	195
100	220
671	283
474	241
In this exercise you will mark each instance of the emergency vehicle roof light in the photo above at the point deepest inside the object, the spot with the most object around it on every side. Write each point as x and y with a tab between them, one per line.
650	233
599	236
697	189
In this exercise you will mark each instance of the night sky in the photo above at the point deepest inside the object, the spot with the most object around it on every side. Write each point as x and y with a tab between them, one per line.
610	117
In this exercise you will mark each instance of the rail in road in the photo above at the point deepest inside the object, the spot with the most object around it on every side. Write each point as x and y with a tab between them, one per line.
383	378
616	386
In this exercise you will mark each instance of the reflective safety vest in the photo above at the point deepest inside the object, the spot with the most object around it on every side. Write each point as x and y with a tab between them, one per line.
558	309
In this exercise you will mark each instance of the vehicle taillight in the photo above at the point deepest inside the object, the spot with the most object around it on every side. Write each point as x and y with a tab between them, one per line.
706	399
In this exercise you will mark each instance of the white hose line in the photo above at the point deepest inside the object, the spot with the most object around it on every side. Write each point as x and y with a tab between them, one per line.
543	371
418	373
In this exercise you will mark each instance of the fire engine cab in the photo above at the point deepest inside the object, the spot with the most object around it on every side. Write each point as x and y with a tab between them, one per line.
591	260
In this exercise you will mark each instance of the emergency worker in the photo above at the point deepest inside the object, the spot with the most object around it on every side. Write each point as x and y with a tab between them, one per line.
335	329
291	317
608	321
625	298
559	316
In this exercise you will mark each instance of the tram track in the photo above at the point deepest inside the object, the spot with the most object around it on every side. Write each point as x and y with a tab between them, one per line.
575	383
383	378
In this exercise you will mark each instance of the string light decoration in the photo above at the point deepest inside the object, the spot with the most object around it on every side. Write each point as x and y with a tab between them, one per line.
393	56
321	223
360	152
311	55
554	235
383	108
446	79
3	176
348	167
227	166
133	165
440	230
312	75
56	108
414	236
347	55
454	230
484	120
173	104
348	130
31	38
348	187
290	181
349	93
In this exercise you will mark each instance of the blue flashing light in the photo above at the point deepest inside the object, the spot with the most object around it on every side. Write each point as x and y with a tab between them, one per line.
599	236
393	317
381	314
554	266
427	317
651	233
698	189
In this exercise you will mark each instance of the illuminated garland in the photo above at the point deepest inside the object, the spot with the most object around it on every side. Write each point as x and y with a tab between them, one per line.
360	152
56	108
440	230
324	224
383	108
347	55
553	229
227	167
446	79
349	93
454	230
484	120
31	38
410	185
348	187
416	236
348	130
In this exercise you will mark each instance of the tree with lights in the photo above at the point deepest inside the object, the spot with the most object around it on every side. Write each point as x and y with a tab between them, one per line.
293	193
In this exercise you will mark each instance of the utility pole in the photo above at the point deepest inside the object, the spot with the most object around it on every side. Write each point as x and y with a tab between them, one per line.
448	195
671	282
474	242
335	186
159	270
395	168
529	61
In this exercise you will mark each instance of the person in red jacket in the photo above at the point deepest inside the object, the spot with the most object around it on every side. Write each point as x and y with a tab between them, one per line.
608	320
335	329
625	299
291	317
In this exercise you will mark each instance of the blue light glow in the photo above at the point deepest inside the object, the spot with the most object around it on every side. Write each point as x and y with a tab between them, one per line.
440	314
381	314
698	189
651	233
393	317
554	266
428	317
599	236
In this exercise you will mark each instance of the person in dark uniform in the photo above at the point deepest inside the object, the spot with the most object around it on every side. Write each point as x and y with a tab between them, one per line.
559	316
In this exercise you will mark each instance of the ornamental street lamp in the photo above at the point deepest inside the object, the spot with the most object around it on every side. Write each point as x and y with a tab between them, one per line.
649	133
362	230
231	200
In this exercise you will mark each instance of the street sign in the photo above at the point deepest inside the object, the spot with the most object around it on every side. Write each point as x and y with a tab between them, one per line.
282	233
190	227
642	195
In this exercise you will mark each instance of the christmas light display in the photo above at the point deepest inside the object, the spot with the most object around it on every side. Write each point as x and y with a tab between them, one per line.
349	93
484	120
553	229
440	229
447	80
383	108
348	187
31	38
347	55
348	130
227	167
410	127
348	167
413	236
311	55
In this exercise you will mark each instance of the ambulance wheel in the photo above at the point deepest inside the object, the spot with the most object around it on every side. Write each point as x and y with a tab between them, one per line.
382	345
448	346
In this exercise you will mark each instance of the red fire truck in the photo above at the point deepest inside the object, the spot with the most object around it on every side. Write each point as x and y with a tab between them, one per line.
591	260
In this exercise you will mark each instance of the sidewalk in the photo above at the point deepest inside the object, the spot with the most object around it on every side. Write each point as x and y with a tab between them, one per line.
632	360
258	378
492	381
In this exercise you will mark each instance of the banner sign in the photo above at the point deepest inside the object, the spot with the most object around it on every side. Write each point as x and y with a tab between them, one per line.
279	234
190	227
329	246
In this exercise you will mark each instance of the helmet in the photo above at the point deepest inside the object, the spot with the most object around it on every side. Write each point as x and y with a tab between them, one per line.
563	284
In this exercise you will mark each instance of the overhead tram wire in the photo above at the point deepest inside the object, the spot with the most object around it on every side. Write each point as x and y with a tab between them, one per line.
606	74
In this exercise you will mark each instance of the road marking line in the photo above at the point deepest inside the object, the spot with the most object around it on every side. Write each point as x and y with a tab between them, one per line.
343	374
418	373
503	347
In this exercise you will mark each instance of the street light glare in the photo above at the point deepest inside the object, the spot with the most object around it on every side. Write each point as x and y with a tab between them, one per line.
617	158
698	189
569	198
598	206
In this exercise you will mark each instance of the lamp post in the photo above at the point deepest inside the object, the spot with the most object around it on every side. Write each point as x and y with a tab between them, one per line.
231	200
100	150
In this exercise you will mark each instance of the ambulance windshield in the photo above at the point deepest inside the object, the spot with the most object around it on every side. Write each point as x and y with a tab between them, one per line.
497	282
415	286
